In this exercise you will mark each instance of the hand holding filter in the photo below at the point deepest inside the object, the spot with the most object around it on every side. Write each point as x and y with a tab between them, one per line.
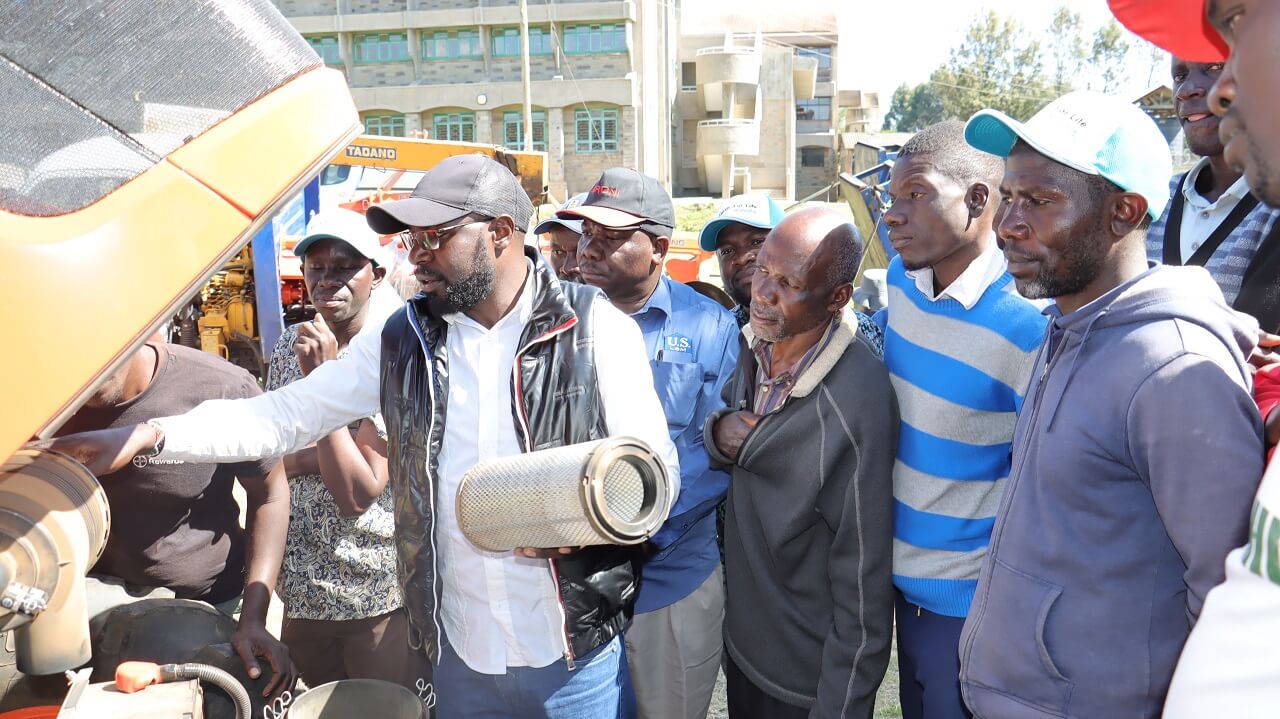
611	491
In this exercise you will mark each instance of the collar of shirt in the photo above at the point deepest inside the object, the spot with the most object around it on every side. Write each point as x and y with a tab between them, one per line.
521	313
659	299
971	284
653	315
1226	202
770	393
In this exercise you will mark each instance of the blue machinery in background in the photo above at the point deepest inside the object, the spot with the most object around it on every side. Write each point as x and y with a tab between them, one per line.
291	219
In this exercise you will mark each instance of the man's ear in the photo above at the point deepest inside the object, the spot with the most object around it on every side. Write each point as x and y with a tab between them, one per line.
503	229
840	297
379	274
661	244
1124	212
977	199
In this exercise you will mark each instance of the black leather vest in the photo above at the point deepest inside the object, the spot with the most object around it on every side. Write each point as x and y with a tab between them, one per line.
555	401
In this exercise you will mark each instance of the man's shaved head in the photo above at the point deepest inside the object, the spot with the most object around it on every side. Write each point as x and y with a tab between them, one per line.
805	272
828	239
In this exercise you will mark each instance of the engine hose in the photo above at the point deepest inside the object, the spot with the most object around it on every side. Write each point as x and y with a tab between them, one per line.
214	676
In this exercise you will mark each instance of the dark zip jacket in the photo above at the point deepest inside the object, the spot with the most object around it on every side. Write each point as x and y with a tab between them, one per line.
1135	460
555	401
809	532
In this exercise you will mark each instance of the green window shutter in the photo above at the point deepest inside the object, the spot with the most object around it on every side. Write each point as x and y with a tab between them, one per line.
506	41
386	125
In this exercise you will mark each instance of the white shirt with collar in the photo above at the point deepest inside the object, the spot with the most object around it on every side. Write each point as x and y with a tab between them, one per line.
498	610
1200	217
969	286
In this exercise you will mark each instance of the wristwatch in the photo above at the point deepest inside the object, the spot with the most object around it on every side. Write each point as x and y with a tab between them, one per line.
155	452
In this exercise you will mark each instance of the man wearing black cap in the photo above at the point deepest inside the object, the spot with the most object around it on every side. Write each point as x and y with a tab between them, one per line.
496	357
691	343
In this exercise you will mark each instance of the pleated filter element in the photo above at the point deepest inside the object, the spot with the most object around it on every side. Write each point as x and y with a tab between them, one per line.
611	491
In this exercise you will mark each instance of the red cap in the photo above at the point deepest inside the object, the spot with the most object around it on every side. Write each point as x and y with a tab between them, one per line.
1179	26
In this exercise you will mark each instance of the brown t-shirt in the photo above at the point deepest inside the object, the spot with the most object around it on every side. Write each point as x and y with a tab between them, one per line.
175	524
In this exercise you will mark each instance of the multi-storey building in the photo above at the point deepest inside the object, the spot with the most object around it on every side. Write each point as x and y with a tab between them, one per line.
451	69
758	107
686	91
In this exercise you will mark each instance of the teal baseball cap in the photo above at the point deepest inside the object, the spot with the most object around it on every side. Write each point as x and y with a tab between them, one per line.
753	210
1090	132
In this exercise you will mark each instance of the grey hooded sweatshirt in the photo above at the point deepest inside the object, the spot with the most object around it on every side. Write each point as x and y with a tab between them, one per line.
1135	460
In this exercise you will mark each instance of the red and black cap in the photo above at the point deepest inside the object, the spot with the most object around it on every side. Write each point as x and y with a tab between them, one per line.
624	197
1179	26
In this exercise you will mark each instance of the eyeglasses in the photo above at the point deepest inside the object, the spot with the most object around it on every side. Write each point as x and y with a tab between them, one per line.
592	230
432	237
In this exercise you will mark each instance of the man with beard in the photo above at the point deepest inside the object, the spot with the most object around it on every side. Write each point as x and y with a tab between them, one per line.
959	345
736	234
1229	667
1117	514
1213	221
674	643
811	433
495	358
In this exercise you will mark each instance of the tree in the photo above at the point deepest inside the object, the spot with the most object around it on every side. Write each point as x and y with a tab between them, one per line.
913	109
1110	49
1067	49
993	68
999	66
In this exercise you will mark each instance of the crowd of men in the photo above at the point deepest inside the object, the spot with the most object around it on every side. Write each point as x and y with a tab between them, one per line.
1038	463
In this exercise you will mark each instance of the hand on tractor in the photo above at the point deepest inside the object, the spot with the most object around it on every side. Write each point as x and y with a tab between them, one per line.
252	641
107	450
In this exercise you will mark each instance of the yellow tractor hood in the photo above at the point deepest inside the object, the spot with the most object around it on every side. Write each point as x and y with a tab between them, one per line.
141	145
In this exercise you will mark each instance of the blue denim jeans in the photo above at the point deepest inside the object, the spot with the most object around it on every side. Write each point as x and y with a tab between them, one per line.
593	690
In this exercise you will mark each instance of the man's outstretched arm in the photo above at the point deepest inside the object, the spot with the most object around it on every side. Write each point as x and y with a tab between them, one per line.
233	430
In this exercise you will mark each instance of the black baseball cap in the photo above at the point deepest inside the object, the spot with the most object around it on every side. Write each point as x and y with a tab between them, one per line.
456	186
624	197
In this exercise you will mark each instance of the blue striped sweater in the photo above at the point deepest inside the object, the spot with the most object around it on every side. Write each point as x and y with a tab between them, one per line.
960	375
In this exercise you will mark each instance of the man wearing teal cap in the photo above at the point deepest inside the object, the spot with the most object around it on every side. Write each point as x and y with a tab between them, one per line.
1117	515
736	234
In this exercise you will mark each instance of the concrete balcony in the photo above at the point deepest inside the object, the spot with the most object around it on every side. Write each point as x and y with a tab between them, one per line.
804	75
728	63
728	137
723	71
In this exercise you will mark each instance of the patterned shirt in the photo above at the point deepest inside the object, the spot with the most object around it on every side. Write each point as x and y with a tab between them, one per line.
771	393
335	568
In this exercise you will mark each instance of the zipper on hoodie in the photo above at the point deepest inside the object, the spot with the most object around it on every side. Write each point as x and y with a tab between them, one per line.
994	546
431	485
523	415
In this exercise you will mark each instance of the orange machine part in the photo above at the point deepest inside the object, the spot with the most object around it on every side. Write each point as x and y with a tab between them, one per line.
44	712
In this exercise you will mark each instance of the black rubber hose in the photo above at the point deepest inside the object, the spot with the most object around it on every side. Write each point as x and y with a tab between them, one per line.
213	675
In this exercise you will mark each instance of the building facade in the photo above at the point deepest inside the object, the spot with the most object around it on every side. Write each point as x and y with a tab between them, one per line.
709	102
451	70
758	107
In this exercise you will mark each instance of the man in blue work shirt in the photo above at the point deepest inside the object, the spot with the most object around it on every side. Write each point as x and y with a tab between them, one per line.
674	643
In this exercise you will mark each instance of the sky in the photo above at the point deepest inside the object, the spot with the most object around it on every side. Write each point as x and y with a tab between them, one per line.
914	37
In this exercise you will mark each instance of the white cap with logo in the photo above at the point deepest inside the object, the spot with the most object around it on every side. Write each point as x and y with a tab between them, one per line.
347	226
1090	132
